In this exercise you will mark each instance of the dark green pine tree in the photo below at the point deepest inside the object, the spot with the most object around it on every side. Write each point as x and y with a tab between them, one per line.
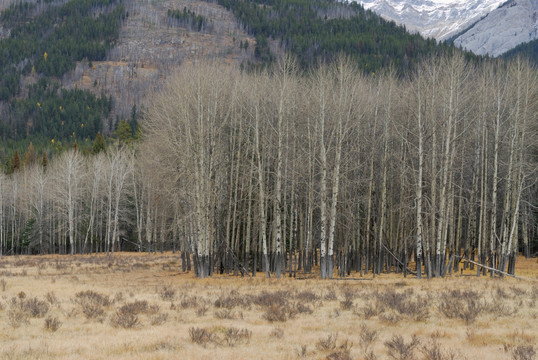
124	133
99	144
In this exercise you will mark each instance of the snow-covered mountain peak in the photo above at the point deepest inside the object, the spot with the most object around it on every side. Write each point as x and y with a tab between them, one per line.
440	19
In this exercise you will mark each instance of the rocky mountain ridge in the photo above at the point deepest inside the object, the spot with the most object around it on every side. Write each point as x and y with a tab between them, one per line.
485	27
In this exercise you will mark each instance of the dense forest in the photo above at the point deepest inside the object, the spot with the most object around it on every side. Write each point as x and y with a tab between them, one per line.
319	30
45	41
527	50
280	171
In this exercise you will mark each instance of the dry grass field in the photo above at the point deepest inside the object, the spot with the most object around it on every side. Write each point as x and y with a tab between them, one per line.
136	306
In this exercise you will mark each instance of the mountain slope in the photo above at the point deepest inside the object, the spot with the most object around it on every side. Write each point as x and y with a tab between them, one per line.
504	28
440	19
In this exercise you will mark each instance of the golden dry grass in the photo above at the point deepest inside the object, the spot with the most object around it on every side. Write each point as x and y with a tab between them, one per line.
322	319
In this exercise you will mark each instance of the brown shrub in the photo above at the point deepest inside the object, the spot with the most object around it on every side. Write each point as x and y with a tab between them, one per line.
277	333
158	319
523	352
201	336
92	303
52	324
125	317
276	313
327	343
399	349
234	299
268	299
166	293
465	305
234	336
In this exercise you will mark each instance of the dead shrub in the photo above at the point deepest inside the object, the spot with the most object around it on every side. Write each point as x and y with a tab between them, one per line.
465	305
404	303
399	349
125	317
275	313
499	308
268	299
201	336
518	291
327	343
136	307
433	351
307	296
92	303
349	295
346	304
17	316
336	352
301	308
51	298
302	352
234	299
367	336
35	308
523	352
277	333
368	311
158	319
343	352
234	336
225	314
202	310
52	324
390	317
3	284
330	296
190	302
166	293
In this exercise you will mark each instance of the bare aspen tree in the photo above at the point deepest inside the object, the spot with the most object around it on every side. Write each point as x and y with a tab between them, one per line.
68	178
38	180
420	172
284	91
94	170
499	104
256	114
119	169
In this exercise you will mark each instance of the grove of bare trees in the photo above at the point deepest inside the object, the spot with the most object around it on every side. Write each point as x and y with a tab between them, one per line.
280	171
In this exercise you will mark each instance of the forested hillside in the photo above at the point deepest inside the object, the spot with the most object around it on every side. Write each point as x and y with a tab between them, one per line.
319	30
527	50
45	41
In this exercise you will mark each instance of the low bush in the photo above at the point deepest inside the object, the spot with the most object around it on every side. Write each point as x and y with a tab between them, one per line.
399	349
52	324
92	303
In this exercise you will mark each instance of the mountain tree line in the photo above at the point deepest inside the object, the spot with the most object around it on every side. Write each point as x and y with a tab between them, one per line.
280	171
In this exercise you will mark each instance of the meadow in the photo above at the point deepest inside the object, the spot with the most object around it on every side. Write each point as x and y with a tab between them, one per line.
140	306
